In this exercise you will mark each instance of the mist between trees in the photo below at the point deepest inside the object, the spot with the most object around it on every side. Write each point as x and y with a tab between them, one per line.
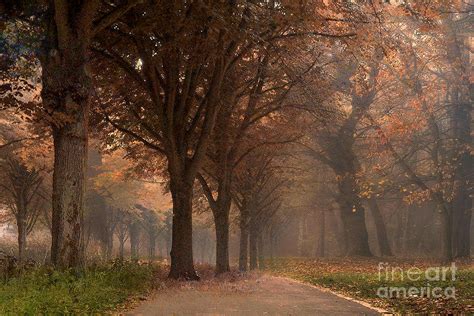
228	132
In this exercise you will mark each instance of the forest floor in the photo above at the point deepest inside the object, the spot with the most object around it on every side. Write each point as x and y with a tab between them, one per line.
360	279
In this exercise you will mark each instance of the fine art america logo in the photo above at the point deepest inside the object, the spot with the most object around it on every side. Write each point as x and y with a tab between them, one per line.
427	276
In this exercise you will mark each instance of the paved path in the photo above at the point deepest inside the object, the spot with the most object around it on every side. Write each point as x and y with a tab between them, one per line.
264	296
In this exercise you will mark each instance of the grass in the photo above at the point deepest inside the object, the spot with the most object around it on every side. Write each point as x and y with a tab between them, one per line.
360	279
97	290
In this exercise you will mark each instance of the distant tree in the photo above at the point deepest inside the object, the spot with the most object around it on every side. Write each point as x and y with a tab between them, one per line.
122	231
24	196
152	227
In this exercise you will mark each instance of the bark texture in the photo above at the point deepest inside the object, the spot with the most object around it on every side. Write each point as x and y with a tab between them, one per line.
66	95
182	265
222	241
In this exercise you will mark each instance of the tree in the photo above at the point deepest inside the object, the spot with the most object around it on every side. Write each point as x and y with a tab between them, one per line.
122	231
261	94
257	194
66	93
177	75
24	165
24	199
68	28
413	130
151	225
338	150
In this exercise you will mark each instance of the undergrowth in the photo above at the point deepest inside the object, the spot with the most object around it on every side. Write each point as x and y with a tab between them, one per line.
99	289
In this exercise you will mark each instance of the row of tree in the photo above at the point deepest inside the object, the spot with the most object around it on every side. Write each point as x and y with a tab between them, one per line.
217	97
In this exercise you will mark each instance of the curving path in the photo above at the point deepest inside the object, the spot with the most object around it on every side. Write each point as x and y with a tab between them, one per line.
263	296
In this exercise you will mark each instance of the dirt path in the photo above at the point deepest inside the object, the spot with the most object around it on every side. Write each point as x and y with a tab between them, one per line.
263	296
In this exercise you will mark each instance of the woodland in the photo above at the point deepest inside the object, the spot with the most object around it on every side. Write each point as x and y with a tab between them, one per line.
232	134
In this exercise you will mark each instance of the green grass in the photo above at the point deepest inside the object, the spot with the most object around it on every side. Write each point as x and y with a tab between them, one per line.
44	291
361	280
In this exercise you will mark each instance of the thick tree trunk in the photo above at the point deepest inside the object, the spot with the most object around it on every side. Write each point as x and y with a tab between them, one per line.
340	231
446	235
244	241
380	229
462	201
353	217
70	154
21	225
66	93
461	95
253	250
462	230
356	232
182	265
221	219
261	255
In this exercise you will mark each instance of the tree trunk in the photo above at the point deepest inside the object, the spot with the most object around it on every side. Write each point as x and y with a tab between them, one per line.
182	265
353	217
462	230
356	232
340	231
151	245
447	235
21	224
110	245
301	237
272	243
221	209
244	241
462	201
134	232
221	219
70	154
253	250
461	95
66	94
320	251
261	255
380	229
407	224
121	249
168	247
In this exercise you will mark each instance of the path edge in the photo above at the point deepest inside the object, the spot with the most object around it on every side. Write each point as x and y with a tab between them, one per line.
323	289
